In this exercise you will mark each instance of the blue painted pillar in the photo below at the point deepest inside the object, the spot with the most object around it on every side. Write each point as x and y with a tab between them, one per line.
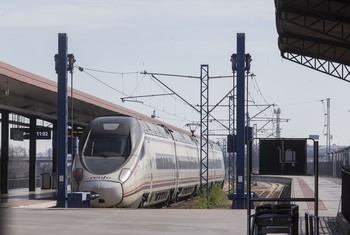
4	151
62	120
32	154
240	117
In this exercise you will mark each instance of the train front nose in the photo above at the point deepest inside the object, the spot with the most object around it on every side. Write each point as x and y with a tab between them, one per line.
110	193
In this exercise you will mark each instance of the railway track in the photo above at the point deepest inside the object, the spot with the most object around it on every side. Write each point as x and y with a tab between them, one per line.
262	189
267	190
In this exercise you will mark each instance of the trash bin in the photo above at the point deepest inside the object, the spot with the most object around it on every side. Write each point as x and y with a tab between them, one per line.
53	181
81	199
45	181
280	218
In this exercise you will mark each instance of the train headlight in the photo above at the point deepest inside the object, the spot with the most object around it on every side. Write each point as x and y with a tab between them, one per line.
78	174
124	175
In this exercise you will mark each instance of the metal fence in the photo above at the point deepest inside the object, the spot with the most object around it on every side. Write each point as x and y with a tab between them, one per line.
22	183
340	158
345	204
332	167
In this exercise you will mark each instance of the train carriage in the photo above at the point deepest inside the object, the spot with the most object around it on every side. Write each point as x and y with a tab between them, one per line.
133	163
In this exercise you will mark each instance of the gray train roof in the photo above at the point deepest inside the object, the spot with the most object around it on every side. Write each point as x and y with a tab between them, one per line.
32	95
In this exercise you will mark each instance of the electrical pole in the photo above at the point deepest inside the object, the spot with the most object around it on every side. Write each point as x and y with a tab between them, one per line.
204	129
278	120
328	127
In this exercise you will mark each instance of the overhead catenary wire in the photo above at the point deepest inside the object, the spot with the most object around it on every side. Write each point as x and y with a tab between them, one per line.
255	86
82	69
99	80
192	106
217	105
166	90
176	94
120	73
161	85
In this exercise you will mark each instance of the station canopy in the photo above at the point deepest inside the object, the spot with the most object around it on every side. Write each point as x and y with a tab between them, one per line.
316	34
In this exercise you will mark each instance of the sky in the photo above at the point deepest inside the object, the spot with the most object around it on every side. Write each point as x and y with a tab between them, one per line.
127	37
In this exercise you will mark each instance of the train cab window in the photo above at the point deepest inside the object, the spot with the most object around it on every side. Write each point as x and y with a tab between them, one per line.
104	154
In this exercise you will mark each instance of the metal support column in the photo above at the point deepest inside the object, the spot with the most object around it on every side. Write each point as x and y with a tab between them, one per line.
204	129
249	167
4	151
54	155
62	120
32	153
316	185
240	114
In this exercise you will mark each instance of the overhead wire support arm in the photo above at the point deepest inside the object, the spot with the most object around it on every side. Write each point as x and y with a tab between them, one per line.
183	76
169	75
81	69
216	77
268	106
174	93
103	71
223	98
123	99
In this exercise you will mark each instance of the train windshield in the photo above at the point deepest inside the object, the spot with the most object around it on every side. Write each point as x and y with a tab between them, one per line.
105	154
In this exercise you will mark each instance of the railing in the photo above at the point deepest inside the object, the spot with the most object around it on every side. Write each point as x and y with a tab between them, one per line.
345	202
339	159
332	165
311	224
252	219
24	182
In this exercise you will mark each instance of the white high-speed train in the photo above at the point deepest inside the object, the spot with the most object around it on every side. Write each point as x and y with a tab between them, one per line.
132	163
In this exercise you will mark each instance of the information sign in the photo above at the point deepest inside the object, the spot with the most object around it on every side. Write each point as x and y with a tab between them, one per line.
42	133
283	157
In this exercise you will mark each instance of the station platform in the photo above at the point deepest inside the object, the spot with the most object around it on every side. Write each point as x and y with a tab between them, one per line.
26	212
329	194
23	198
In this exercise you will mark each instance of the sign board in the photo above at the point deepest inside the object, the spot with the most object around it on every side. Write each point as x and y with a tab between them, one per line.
283	157
20	134
315	137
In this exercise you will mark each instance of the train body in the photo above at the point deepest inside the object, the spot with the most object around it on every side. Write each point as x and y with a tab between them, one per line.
132	163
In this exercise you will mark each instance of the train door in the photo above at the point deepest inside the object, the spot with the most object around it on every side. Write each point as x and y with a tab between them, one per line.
176	171
198	159
151	165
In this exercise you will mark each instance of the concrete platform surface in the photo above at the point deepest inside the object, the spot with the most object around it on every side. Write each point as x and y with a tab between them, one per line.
23	198
24	212
122	221
329	194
